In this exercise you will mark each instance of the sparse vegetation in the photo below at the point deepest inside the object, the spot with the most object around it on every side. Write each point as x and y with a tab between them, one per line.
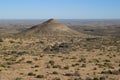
51	62
55	72
56	78
40	76
66	67
31	74
18	79
29	62
60	57
1	40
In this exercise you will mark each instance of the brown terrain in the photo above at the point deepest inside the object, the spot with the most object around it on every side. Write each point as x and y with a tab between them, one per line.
50	28
55	51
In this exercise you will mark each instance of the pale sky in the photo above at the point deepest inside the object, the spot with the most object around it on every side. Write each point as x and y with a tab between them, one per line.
60	9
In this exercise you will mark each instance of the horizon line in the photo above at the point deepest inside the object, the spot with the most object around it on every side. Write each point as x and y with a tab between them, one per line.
62	19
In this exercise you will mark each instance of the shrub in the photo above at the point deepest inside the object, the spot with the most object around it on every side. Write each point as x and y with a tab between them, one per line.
107	72
55	72
68	74
21	73
77	79
57	78
36	66
40	76
1	40
66	67
56	66
73	65
83	65
29	62
95	79
18	79
51	62
11	41
88	78
31	74
102	78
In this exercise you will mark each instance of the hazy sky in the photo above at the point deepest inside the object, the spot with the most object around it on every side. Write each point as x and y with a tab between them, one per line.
60	9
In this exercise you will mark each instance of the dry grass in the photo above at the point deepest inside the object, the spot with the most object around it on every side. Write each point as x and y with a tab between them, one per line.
59	57
18	58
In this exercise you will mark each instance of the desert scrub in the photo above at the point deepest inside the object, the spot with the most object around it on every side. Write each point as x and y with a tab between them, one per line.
83	65
57	66
0	70
36	66
76	73
114	72
21	73
29	62
66	67
95	78
82	60
88	78
102	78
94	68
108	65
73	57
76	64
1	40
31	74
78	79
35	59
63	47
51	62
40	76
11	41
18	79
56	78
55	72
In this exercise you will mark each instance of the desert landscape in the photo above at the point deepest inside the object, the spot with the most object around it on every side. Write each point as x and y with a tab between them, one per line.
69	49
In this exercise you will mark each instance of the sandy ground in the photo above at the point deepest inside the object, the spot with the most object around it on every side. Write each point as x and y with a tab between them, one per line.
78	64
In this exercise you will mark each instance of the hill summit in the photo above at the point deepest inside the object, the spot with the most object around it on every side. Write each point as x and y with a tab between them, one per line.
50	27
51	21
